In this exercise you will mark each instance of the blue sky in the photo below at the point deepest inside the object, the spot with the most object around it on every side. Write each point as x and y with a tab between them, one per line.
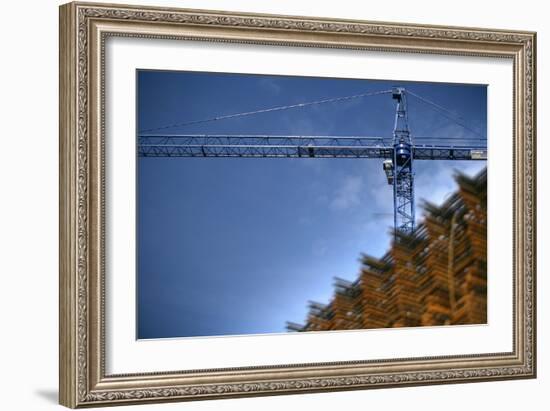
238	246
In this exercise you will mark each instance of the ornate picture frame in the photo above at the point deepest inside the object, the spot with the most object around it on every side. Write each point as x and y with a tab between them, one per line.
84	30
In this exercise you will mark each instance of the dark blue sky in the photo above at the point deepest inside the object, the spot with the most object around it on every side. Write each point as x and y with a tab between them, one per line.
238	246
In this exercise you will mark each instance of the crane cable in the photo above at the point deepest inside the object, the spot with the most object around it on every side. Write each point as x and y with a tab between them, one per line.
267	110
447	113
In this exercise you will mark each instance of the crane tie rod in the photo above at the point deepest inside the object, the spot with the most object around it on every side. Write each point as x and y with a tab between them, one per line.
446	113
268	110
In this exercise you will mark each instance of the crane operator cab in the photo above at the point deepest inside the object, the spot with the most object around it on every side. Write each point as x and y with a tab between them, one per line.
403	153
387	165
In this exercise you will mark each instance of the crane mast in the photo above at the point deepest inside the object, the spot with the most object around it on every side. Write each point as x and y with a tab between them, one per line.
402	167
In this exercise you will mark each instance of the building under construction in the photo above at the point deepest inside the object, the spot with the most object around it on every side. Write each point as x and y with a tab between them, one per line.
436	276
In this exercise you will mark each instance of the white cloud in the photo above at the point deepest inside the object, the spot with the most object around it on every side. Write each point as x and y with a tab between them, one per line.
319	247
434	182
305	220
348	195
270	85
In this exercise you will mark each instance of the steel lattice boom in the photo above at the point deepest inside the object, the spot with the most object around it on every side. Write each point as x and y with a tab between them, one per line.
398	152
196	145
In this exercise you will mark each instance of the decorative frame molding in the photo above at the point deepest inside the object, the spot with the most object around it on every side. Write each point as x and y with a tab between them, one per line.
83	30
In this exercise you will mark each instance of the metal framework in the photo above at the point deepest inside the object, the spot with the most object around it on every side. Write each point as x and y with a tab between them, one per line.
398	152
402	177
217	145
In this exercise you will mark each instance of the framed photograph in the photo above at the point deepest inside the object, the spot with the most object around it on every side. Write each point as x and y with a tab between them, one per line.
260	205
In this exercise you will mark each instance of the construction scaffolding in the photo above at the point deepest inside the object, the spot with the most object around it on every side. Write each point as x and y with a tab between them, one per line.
437	275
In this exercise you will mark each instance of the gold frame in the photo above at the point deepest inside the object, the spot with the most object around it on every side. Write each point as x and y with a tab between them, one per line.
83	30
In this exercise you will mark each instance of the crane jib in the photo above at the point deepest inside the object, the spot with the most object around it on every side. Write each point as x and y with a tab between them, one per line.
282	151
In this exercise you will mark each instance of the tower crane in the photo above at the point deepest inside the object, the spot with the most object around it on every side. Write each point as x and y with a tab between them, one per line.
398	152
